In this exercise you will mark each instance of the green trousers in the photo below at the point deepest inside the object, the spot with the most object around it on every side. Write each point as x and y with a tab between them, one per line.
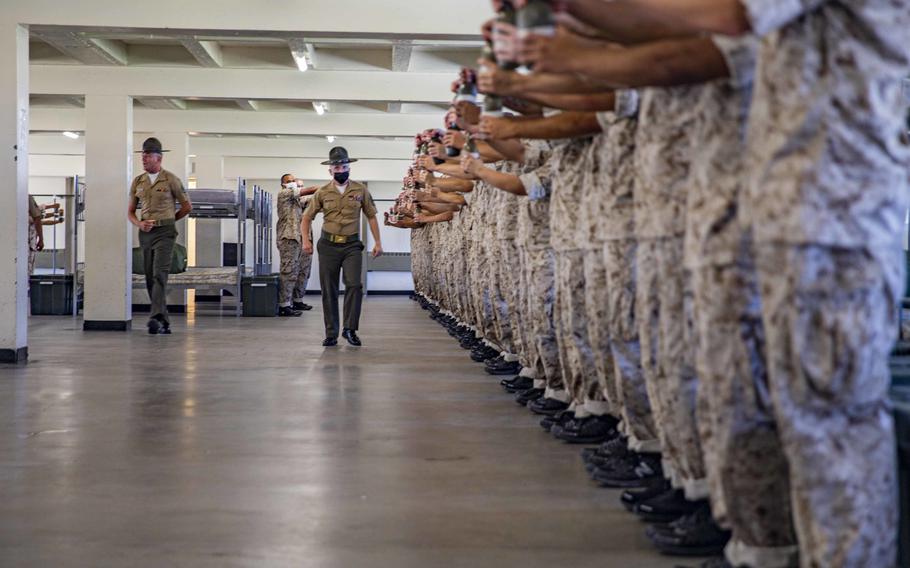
157	250
333	259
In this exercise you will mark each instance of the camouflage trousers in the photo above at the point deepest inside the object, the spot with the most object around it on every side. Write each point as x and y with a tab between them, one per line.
830	319
295	271
627	271
576	355
541	302
672	385
480	292
597	301
497	283
746	465
511	277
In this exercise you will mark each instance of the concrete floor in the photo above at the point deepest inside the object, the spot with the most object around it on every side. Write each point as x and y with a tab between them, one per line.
242	442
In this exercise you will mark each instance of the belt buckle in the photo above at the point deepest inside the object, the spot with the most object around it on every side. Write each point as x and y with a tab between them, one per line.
339	239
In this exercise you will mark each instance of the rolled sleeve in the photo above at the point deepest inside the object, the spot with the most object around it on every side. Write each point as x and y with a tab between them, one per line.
179	192
314	207
369	208
605	119
536	184
34	211
740	54
627	101
767	16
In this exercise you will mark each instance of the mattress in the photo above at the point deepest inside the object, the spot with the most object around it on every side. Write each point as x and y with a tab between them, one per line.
194	276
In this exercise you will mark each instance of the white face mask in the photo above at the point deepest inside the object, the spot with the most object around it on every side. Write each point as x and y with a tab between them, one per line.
291	185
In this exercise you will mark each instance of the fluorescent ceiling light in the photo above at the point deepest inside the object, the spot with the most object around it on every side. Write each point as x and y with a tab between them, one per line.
301	62
72	135
331	139
319	108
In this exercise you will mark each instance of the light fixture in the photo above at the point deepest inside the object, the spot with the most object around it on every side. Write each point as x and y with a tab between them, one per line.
331	139
300	60
319	108
71	135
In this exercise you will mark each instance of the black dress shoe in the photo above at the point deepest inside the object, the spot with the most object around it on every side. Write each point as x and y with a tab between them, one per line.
558	419
590	430
154	326
516	384
636	470
351	336
330	342
632	497
616	447
666	507
526	396
288	312
301	307
165	329
508	370
547	406
693	535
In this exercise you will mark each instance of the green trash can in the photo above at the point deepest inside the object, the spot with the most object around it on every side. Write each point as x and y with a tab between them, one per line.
260	296
51	295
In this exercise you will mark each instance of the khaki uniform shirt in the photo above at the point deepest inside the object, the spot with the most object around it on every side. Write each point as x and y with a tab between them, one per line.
290	208
828	158
341	211
157	201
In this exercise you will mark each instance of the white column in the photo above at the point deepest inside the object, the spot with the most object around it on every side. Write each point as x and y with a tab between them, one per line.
108	234
14	193
209	175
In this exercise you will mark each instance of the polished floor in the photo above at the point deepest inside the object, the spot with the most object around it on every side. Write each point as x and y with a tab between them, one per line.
242	442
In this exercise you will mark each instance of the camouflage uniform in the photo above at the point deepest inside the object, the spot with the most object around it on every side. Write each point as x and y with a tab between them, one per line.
597	183
34	213
628	393
663	156
510	270
569	162
827	198
495	275
295	264
534	234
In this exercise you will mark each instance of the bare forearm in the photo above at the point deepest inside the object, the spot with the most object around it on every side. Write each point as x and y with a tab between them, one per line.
436	208
512	150
374	229
449	185
506	182
636	21
305	231
590	102
556	83
453	170
565	125
185	209
659	64
438	218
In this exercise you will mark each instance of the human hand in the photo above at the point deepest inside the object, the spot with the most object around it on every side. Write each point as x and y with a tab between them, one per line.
554	54
498	81
497	128
308	246
146	226
40	245
470	164
454	139
377	250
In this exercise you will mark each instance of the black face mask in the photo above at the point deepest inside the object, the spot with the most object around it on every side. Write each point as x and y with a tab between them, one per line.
342	177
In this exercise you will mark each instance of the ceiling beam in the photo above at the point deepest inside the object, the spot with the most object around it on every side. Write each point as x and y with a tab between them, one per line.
389	18
207	53
401	56
248	123
90	51
282	84
246	104
162	103
394	108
